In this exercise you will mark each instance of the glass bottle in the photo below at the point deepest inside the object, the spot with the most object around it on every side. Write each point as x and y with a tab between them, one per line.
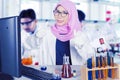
66	68
104	58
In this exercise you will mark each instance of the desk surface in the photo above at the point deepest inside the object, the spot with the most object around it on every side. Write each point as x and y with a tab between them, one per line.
52	69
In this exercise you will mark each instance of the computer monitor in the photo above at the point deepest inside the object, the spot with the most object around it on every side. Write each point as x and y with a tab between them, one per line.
10	47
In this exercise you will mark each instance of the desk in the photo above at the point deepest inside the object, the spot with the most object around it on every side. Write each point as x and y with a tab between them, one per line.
52	69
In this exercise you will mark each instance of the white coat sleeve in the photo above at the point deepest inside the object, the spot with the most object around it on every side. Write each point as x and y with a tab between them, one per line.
82	45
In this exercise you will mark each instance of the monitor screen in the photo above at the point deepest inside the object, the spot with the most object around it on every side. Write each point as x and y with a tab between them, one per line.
10	47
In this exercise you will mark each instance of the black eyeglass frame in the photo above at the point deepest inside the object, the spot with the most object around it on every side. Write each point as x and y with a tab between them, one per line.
57	13
27	23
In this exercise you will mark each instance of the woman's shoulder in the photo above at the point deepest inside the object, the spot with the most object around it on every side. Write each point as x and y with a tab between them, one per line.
49	35
41	32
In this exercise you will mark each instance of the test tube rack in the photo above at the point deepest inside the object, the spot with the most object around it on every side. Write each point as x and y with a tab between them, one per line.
84	72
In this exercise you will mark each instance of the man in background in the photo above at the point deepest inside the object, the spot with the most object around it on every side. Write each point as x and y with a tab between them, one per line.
31	37
81	15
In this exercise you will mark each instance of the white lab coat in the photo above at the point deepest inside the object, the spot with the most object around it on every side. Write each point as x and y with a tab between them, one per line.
96	30
80	49
31	44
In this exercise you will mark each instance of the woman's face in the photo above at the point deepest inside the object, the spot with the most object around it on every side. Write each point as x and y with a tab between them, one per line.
61	16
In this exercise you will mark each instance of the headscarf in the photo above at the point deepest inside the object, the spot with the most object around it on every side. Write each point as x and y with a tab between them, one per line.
66	32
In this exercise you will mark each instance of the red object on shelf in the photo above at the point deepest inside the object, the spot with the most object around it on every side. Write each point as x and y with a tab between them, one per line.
108	16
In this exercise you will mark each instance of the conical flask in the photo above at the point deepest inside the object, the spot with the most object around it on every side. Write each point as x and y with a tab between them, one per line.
66	68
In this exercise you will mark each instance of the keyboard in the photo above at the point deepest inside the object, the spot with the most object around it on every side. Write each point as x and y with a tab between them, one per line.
35	74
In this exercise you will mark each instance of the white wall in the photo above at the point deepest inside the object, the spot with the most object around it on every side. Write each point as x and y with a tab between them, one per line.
9	8
44	9
97	11
47	10
0	8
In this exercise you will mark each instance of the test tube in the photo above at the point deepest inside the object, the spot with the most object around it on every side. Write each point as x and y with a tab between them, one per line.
112	71
93	66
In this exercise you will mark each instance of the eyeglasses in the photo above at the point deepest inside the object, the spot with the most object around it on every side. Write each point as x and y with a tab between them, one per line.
57	12
26	23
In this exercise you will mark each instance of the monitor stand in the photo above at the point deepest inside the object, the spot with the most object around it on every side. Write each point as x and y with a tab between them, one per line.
5	77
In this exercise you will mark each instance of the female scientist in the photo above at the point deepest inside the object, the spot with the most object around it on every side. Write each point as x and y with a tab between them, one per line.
66	38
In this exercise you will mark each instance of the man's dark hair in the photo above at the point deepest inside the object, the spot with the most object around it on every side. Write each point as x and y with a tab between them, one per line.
28	13
81	15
